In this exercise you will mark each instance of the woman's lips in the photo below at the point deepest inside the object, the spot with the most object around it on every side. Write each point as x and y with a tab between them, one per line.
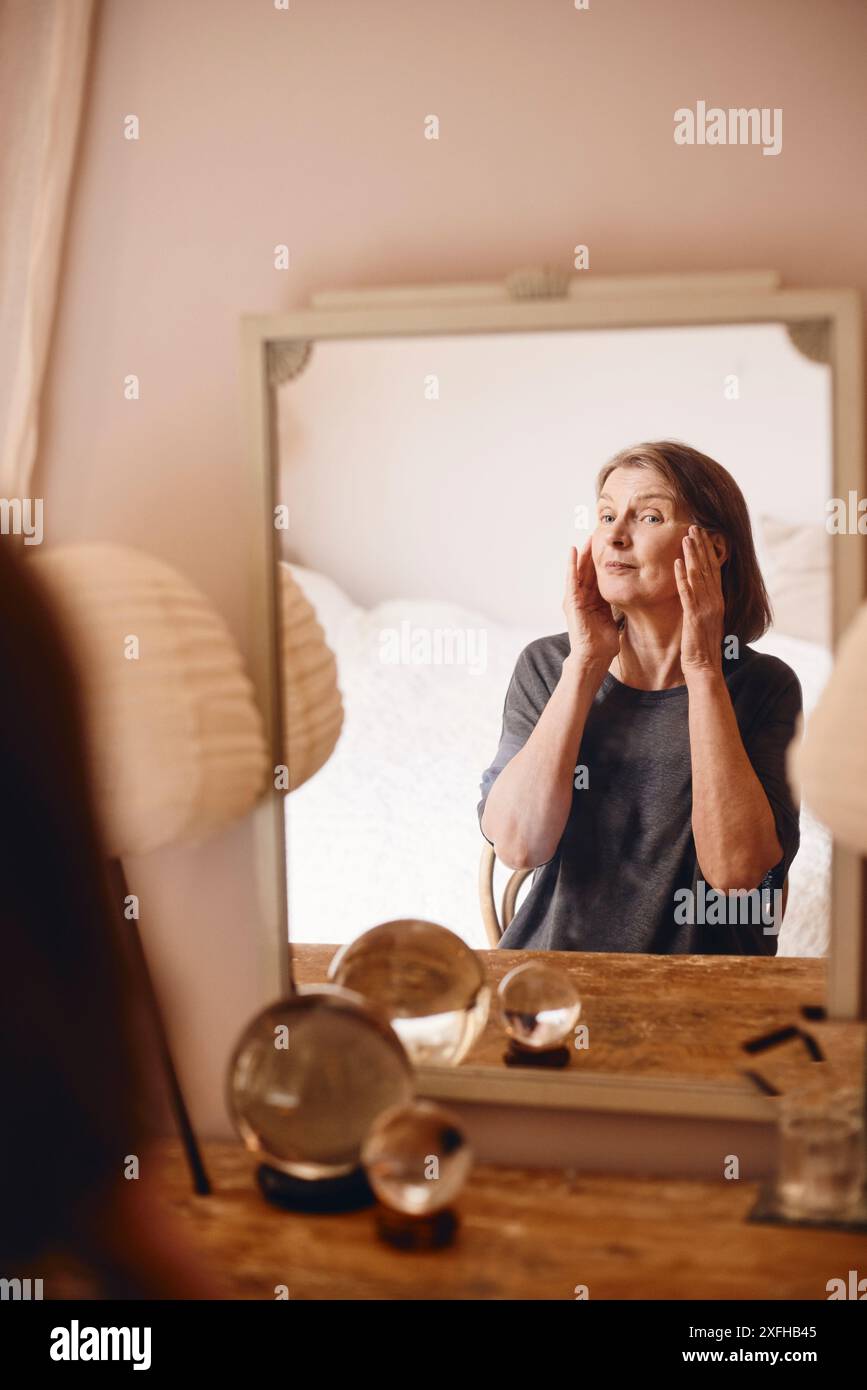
618	565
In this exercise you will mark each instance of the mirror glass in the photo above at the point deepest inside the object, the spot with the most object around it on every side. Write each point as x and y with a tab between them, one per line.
435	486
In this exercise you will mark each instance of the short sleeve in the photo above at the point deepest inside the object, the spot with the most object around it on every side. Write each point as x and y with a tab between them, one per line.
525	699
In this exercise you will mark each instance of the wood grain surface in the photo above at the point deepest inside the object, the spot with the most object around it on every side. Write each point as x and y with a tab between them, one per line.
675	1016
524	1234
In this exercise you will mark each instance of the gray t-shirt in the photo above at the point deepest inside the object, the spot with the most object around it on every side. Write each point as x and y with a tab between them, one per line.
617	879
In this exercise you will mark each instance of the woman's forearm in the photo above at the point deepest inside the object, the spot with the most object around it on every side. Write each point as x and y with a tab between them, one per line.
732	821
528	805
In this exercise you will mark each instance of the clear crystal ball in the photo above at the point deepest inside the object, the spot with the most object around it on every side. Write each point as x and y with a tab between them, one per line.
539	1006
429	983
309	1076
417	1158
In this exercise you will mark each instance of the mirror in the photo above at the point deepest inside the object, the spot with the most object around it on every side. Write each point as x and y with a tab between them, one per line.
431	518
436	460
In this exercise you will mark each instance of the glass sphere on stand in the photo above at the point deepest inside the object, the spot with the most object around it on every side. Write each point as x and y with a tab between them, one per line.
539	1008
417	1161
430	984
306	1081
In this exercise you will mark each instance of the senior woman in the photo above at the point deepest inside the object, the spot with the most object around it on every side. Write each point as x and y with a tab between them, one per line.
641	765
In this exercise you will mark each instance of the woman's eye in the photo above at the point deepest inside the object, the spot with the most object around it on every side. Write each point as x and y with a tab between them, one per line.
652	516
606	516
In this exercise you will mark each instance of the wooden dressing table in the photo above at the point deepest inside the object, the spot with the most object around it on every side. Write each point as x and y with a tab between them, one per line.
665	1016
536	1233
670	1021
524	1234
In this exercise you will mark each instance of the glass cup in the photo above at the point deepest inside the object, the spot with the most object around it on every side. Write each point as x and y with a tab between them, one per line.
821	1153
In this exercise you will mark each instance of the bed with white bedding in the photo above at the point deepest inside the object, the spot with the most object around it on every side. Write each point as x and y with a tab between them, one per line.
388	828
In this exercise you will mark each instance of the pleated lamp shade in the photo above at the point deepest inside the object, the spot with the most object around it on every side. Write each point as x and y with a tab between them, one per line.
312	706
177	740
831	763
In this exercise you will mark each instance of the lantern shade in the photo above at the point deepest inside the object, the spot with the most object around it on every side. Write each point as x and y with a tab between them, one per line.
177	740
831	764
312	706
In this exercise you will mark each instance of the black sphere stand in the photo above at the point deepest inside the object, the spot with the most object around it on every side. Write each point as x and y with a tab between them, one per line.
346	1192
555	1057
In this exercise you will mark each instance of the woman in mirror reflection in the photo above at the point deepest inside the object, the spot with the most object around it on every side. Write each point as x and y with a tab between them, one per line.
641	769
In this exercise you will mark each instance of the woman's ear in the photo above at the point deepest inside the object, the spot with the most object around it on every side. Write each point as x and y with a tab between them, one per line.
720	546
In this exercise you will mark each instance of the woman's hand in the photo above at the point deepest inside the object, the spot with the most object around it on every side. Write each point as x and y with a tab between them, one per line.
593	634
699	585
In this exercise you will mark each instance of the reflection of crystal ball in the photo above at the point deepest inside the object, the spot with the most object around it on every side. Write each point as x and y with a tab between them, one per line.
539	1005
309	1076
428	982
417	1158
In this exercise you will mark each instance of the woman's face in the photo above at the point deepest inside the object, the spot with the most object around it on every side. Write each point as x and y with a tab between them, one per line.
639	534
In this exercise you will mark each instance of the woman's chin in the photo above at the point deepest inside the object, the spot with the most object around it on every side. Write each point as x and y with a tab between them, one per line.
617	588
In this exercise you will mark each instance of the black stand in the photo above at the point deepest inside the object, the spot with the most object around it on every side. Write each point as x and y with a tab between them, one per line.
523	1057
406	1232
347	1192
201	1181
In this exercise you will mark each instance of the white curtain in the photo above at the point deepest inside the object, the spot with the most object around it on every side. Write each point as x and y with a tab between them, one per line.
44	48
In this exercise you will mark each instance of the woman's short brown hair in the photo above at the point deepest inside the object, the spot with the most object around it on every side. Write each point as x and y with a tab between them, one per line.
713	500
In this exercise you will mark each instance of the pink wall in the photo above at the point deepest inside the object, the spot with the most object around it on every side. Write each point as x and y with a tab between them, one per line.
260	126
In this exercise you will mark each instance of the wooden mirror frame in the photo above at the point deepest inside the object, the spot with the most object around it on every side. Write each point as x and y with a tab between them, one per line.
825	324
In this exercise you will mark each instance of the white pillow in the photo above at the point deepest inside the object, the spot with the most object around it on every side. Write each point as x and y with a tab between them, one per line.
798	578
